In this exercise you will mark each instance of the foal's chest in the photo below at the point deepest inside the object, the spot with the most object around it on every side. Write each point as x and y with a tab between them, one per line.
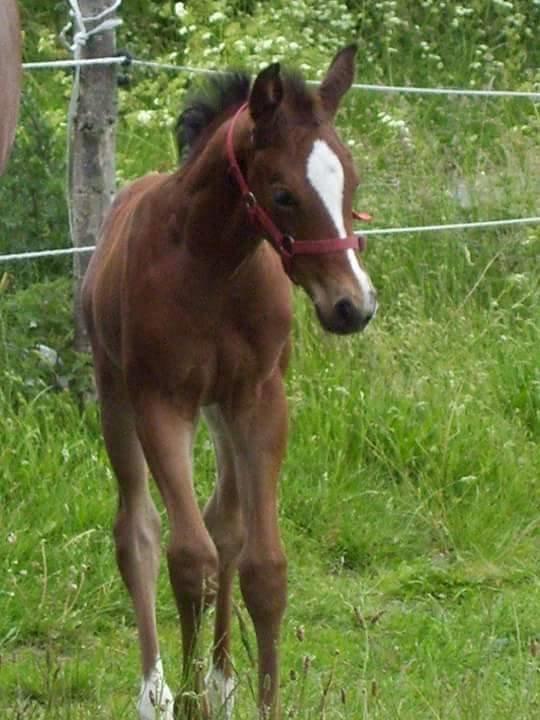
206	352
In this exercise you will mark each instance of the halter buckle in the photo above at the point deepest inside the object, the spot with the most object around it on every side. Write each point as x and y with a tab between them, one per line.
250	200
287	243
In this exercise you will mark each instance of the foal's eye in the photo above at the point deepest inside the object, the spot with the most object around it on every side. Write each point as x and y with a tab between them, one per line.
284	199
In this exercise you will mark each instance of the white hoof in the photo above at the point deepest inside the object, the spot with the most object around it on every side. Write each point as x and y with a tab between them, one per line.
155	699
220	691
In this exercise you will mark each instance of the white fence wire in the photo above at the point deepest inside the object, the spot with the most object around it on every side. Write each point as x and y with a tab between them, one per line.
127	60
403	89
35	254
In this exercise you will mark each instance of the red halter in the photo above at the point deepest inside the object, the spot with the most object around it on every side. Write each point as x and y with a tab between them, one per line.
285	245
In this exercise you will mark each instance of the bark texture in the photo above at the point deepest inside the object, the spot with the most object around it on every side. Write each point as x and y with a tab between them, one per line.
92	152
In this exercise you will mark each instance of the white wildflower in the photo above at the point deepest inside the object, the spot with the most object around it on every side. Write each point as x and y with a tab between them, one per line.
145	117
216	17
180	9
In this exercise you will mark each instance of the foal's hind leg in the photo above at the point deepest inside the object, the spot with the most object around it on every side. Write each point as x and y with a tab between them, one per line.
136	533
223	518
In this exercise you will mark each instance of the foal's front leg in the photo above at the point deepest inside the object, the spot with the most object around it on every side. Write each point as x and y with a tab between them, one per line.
167	436
136	534
259	435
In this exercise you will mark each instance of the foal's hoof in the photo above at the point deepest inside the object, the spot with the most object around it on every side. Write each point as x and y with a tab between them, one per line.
220	691
155	699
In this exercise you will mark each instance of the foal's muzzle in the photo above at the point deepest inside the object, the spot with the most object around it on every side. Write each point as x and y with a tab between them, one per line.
347	316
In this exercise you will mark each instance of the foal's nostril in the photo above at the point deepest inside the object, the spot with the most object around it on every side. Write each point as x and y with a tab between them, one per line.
345	310
348	317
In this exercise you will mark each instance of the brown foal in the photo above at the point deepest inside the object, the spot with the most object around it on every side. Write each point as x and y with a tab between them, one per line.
10	76
189	309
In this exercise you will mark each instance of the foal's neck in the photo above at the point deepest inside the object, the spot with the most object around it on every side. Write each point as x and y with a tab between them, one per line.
213	220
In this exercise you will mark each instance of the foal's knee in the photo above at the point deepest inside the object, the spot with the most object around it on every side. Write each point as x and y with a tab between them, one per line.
263	582
193	572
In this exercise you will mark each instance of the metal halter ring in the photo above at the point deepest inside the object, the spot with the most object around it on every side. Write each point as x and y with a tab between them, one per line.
250	200
287	243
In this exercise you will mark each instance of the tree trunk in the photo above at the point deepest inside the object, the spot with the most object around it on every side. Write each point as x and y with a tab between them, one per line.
92	152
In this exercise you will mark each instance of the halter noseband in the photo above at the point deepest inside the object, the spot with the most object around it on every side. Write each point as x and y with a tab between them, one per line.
286	246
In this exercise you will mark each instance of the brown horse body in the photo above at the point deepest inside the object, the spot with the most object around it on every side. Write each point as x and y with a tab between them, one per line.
10	76
188	309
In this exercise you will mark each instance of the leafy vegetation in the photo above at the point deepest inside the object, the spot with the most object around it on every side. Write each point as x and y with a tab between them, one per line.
410	496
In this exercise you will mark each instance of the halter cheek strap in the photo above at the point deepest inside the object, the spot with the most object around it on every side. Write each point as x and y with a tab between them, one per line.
286	246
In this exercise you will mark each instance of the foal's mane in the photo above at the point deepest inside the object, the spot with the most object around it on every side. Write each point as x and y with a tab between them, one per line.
220	95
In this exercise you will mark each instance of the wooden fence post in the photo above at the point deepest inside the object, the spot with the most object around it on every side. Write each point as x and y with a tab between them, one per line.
92	143
10	75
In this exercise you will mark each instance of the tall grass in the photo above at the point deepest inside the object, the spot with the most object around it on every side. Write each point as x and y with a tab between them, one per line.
409	504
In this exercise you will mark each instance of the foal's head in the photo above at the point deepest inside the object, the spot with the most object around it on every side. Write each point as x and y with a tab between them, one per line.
304	177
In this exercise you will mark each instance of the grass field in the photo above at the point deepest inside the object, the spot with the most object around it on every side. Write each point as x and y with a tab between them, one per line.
410	498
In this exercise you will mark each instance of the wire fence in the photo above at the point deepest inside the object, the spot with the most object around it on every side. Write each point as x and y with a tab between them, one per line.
482	224
127	60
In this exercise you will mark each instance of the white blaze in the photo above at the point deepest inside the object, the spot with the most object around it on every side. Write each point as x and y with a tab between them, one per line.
325	173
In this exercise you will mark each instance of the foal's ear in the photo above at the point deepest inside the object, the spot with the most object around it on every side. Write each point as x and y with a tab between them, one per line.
338	80
266	94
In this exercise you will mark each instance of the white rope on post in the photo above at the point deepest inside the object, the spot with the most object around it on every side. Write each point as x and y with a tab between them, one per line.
482	224
103	14
82	32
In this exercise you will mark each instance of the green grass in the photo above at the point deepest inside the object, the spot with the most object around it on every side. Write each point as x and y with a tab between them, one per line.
409	506
410	498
